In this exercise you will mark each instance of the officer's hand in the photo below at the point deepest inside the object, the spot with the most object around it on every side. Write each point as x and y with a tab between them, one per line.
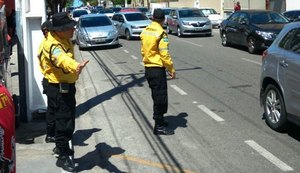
81	66
173	75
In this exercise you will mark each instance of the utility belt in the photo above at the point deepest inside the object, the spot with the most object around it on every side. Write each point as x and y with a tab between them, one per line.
63	87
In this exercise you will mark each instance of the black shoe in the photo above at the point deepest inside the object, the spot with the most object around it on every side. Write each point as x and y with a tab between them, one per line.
49	139
67	151
161	130
65	163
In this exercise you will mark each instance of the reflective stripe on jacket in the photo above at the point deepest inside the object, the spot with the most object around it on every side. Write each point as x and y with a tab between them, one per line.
57	60
155	47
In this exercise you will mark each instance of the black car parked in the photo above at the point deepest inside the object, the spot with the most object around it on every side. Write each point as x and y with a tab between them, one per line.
255	29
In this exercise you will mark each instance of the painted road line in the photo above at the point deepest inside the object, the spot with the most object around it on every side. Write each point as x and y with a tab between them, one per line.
126	51
152	164
180	91
134	57
249	60
269	156
199	45
210	113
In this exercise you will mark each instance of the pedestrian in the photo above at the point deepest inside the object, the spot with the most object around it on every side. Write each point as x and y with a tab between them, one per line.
157	60
7	132
50	118
61	70
237	6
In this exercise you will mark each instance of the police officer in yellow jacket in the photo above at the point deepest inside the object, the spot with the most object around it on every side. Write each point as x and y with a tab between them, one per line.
157	60
61	71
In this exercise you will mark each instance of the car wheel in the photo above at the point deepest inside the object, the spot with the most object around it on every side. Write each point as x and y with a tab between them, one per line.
274	108
252	46
168	30
224	39
127	35
179	34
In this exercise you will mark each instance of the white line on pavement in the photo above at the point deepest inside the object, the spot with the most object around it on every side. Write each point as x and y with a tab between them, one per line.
126	51
210	113
180	91
199	45
255	62
269	156
134	57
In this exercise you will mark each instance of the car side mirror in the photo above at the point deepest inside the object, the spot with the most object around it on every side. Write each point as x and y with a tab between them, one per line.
121	20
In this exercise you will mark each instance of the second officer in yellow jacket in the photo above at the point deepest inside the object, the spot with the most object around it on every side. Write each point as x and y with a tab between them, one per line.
157	60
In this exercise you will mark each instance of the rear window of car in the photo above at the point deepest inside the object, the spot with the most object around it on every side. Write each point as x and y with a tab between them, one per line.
95	21
190	13
135	16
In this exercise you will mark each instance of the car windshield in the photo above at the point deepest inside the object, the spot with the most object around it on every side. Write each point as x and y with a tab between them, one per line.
166	11
208	11
267	17
190	13
135	16
144	10
95	21
78	13
106	11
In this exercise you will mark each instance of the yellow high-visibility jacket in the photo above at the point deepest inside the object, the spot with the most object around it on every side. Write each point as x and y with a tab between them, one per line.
57	61
155	47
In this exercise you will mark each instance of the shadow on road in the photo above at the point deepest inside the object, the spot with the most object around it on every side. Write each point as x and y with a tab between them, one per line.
99	157
82	135
177	121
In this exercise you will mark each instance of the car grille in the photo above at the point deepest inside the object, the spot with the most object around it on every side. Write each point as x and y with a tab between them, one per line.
198	24
195	31
101	40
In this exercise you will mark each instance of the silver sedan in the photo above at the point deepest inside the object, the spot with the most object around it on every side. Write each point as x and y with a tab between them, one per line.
96	30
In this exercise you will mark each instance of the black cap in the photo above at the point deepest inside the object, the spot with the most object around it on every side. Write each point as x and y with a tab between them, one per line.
46	25
62	22
159	14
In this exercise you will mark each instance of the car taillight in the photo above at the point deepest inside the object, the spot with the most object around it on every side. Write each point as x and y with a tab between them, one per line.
264	54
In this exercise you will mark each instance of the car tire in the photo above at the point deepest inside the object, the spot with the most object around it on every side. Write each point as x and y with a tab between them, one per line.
224	39
252	45
169	30
127	35
274	108
179	34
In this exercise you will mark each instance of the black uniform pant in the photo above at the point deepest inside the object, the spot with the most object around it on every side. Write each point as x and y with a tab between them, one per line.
62	106
157	80
50	118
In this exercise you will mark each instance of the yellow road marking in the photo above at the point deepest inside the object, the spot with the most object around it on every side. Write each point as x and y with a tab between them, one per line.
150	163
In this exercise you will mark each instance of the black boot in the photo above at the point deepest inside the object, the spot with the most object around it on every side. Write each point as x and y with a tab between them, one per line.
66	151
66	163
162	130
49	139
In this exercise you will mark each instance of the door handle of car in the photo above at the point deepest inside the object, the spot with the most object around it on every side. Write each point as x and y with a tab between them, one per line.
283	63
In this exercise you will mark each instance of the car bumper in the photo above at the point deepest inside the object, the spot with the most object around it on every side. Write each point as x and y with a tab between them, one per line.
95	43
190	30
136	32
216	23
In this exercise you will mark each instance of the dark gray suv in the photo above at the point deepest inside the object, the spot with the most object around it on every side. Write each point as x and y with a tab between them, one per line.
280	79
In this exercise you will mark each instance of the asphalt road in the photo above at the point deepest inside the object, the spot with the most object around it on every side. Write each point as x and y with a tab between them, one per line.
214	109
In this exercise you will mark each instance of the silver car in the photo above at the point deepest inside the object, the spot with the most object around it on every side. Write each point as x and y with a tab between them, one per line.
130	24
280	79
188	21
96	30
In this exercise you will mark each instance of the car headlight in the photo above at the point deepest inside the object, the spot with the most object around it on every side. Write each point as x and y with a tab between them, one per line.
112	33
185	23
266	35
208	22
135	27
